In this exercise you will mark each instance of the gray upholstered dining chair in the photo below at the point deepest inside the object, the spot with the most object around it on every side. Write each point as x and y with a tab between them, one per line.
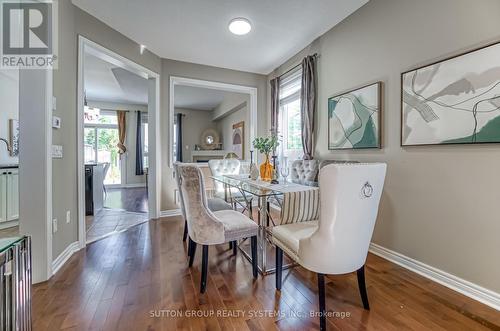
214	204
304	172
206	227
349	201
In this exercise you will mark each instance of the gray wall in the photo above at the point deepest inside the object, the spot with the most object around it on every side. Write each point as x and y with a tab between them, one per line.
193	124
72	22
197	71
440	204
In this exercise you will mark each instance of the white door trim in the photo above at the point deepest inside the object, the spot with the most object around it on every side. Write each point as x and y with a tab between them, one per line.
174	80
95	49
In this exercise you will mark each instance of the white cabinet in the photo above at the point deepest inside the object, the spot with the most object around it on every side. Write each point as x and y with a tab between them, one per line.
3	196
9	195
13	195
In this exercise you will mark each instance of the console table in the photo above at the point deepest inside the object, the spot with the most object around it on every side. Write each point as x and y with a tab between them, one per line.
15	284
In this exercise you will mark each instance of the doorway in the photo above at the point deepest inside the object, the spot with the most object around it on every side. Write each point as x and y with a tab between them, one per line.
118	118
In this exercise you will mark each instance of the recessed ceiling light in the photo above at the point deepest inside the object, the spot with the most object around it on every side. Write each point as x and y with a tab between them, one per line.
240	26
142	49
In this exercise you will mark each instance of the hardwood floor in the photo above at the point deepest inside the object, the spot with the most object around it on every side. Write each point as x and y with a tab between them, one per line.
139	280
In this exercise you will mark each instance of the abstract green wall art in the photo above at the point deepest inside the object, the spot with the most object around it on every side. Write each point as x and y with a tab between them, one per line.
354	118
454	101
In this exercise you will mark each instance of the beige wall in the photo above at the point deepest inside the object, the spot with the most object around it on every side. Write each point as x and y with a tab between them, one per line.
72	22
197	71
441	203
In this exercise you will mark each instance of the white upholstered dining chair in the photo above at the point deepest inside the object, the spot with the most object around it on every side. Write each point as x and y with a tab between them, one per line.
206	227
349	202
233	195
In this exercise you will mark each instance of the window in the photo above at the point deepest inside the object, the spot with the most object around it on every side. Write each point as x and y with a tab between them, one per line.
290	126
101	140
145	140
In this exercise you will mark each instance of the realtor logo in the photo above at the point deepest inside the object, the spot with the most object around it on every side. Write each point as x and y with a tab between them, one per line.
28	35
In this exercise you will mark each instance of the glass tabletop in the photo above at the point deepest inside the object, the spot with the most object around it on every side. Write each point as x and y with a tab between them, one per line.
258	187
6	243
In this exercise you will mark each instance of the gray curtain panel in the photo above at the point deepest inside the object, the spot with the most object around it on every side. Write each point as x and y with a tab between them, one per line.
139	165
308	104
275	104
179	137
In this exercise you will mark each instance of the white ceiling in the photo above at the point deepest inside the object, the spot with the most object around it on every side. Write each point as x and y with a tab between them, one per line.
198	98
107	82
196	30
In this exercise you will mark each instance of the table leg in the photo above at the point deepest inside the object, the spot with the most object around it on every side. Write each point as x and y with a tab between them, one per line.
262	233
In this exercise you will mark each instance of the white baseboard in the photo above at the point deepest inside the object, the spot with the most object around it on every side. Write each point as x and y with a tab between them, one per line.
455	283
64	256
170	213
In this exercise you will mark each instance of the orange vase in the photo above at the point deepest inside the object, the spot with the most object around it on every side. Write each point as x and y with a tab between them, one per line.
266	170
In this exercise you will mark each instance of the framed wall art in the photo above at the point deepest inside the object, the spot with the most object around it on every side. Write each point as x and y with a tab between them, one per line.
453	101
354	118
238	140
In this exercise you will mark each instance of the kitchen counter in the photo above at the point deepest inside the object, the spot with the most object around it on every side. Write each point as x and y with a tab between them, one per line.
9	166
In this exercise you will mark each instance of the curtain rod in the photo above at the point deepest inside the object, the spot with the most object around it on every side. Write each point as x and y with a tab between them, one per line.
316	55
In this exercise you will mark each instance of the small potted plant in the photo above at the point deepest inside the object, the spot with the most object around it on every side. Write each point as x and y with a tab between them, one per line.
266	146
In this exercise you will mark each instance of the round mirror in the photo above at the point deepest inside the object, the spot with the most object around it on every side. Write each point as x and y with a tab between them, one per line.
210	139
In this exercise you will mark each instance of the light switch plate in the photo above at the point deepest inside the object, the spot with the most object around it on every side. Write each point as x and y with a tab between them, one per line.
54	225
68	216
54	103
56	122
57	151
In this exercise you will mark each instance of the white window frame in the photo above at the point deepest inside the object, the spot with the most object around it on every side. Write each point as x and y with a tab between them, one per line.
285	153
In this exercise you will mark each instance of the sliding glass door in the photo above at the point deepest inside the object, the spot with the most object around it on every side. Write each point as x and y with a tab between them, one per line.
100	141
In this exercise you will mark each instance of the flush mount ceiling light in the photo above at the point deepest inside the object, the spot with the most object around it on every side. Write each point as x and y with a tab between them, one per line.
240	26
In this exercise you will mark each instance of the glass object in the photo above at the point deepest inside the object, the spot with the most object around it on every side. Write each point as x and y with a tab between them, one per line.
285	171
266	170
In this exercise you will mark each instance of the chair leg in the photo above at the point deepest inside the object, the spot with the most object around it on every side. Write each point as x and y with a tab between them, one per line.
204	269
184	237
362	287
191	252
254	256
322	307
235	247
279	267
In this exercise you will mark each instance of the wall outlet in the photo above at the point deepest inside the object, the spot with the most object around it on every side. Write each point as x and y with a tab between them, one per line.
57	151
68	217
54	225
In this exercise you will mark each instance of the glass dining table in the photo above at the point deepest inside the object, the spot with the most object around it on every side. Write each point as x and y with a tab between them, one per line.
264	192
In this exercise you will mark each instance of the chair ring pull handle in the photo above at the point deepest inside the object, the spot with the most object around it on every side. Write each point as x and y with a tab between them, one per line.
367	190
